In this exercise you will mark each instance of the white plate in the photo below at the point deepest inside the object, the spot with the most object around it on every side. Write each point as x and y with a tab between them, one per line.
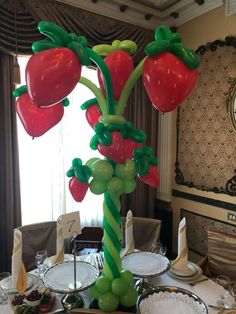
145	264
191	271
167	299
60	276
33	283
189	278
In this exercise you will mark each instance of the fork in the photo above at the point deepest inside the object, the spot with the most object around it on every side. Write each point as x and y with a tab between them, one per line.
193	283
100	261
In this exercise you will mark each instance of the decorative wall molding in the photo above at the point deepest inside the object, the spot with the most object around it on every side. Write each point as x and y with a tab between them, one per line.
147	13
206	143
204	200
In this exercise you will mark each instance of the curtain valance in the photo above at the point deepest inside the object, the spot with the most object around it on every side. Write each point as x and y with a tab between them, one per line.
96	28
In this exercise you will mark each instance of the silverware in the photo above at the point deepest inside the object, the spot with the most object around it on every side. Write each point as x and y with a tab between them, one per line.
194	282
217	307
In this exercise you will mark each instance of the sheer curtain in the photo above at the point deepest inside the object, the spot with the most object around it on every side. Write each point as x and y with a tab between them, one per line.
44	161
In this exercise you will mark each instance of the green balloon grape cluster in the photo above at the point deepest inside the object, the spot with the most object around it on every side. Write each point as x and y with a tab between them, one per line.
111	293
116	179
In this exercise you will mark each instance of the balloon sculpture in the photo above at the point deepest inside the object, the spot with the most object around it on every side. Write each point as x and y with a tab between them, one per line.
169	74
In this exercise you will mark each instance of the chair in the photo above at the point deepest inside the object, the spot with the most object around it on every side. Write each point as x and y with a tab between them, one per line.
36	237
221	256
146	232
90	240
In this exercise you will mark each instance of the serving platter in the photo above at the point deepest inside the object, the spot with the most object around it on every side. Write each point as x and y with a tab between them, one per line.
60	277
145	264
163	298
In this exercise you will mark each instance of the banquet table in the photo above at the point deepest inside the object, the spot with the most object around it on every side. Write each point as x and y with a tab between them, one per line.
208	291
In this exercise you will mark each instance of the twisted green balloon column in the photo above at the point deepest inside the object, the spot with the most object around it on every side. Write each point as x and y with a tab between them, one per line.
112	235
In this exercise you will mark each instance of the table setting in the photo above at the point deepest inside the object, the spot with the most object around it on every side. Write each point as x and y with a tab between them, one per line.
161	284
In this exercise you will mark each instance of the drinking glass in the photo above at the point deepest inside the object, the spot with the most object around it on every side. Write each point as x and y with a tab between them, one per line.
223	281
157	247
5	285
233	293
39	261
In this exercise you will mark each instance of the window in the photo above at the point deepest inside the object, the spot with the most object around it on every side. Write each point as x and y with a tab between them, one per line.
44	161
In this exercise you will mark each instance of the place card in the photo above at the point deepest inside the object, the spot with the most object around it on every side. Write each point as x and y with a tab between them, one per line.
70	224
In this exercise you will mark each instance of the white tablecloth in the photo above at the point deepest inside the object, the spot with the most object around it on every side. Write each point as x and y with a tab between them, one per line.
208	291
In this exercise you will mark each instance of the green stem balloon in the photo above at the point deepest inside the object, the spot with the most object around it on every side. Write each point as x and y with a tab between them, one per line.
128	87
100	98
112	235
107	79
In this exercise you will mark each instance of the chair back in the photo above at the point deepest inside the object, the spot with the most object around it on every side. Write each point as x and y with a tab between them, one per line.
221	254
37	237
146	232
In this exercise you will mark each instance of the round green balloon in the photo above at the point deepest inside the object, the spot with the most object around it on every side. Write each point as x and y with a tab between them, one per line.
127	276
102	284
102	170
91	161
94	292
126	171
115	186
97	187
129	298
108	302
129	186
119	286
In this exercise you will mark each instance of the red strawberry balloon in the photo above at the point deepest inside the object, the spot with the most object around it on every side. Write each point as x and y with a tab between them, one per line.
37	120
120	65
51	75
152	177
116	150
93	114
78	189
168	81
169	72
129	146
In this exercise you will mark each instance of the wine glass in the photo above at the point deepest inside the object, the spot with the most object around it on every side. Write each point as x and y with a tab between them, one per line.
223	281
5	285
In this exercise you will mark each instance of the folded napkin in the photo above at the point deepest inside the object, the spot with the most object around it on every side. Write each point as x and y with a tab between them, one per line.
19	275
60	243
129	237
181	262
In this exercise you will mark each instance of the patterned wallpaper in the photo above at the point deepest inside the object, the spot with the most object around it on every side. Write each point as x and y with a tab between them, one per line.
206	144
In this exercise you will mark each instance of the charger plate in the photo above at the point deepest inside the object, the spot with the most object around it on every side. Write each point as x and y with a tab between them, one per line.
32	283
67	257
145	264
190	271
192	277
166	299
60	277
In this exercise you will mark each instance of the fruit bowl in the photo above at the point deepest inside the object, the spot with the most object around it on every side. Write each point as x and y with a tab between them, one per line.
33	298
37	301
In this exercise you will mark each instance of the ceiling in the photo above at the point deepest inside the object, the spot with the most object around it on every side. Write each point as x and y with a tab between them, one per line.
150	13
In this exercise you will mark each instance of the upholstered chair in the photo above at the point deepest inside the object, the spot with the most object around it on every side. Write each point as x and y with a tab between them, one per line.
146	232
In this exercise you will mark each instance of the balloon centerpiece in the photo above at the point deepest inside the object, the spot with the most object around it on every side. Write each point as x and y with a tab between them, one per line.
169	74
